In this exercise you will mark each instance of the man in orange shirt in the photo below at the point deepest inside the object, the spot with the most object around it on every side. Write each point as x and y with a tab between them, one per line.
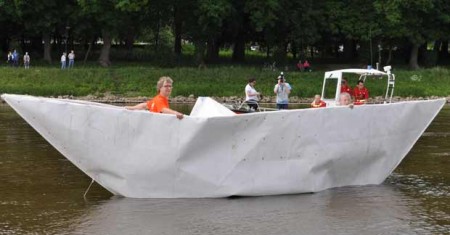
317	102
159	103
361	93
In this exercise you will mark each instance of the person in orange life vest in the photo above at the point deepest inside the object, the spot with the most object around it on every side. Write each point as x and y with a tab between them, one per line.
360	93
159	103
317	102
345	87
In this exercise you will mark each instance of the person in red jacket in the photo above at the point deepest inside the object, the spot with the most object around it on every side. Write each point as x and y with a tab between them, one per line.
345	87
317	102
360	93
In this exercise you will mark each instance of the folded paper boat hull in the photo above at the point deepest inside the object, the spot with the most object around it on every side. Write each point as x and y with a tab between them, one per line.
145	155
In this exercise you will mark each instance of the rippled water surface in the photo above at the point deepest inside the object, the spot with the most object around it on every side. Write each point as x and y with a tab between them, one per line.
42	193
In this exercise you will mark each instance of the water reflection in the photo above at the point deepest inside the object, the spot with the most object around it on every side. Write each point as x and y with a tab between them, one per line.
42	193
352	210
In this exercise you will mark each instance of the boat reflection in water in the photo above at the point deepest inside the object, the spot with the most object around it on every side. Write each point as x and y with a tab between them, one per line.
349	210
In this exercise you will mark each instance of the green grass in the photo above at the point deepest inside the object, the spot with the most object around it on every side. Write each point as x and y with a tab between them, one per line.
140	80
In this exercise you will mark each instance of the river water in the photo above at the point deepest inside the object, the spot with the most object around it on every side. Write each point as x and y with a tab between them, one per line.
42	193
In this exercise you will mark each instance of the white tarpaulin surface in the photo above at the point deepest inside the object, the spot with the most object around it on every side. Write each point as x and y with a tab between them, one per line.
146	155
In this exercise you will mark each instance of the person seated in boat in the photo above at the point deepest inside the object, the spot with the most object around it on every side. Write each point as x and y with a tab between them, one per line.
360	93
345	87
282	89
318	103
345	99
159	103
251	95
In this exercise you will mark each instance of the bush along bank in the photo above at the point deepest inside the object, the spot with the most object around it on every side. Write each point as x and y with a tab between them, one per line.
226	83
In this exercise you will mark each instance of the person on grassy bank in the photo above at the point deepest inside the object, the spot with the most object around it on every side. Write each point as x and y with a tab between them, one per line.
159	103
26	60
251	95
63	60
282	89
71	57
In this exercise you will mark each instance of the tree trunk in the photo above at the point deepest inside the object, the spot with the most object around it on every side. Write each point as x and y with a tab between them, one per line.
379	54
177	30
239	48
388	61
199	53
443	53
88	51
294	50
157	33
106	48
435	54
212	50
4	43
267	52
129	40
413	58
349	49
47	47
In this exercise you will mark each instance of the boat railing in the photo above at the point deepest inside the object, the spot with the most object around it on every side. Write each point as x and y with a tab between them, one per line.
248	107
390	88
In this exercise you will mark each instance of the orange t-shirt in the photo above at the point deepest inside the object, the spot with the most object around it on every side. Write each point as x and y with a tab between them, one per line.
157	104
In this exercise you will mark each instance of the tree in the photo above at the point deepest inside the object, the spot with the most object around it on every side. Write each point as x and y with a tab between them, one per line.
205	24
409	19
112	16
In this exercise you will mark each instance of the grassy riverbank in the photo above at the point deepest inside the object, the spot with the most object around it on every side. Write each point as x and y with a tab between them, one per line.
132	81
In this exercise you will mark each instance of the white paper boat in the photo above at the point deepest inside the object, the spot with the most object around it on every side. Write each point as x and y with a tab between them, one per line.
215	153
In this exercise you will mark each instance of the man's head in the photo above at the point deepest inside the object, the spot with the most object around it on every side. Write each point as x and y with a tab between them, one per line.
360	84
164	86
344	98
317	98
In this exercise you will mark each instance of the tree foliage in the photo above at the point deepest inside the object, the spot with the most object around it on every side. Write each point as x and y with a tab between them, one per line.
356	31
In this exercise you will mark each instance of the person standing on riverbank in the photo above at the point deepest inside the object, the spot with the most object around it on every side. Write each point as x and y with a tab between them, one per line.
251	95
10	59
282	89
159	103
26	60
15	58
63	61
71	59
